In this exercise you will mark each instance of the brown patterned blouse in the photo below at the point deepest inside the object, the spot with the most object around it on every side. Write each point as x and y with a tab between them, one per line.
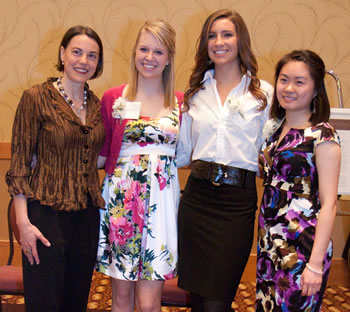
66	150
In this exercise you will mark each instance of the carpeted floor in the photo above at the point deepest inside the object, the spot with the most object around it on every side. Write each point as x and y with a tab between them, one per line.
337	299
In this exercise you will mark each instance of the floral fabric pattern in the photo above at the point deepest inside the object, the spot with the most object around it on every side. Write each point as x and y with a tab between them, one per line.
288	219
138	230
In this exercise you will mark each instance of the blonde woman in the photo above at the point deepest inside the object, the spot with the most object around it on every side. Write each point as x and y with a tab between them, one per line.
138	232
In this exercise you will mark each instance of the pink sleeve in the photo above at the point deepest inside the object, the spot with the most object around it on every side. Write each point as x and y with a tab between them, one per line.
114	130
180	98
106	112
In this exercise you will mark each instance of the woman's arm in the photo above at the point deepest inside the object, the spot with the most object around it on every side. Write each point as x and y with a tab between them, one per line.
23	158
328	167
184	145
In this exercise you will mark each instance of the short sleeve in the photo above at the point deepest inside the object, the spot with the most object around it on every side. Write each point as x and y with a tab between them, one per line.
326	134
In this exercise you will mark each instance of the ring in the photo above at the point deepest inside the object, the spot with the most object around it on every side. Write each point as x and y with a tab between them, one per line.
28	252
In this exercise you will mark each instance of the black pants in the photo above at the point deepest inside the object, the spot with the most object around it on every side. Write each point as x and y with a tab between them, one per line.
61	282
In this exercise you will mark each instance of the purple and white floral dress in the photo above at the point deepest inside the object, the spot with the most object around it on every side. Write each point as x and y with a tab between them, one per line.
288	217
138	232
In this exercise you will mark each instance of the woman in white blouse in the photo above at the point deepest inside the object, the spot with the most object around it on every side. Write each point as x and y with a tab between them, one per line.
221	133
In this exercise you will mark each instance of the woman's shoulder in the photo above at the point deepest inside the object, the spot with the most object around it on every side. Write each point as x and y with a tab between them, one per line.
94	100
111	95
324	126
324	131
180	96
35	94
37	88
114	92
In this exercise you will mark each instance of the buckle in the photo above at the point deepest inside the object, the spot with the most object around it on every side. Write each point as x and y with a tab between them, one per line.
220	175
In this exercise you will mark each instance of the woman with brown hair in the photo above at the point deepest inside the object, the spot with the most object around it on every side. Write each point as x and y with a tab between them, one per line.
138	230
221	135
59	125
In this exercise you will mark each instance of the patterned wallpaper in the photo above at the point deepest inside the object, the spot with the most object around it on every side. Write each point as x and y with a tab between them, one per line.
30	31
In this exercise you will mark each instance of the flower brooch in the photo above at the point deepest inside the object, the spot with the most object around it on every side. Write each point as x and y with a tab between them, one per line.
123	109
118	108
235	106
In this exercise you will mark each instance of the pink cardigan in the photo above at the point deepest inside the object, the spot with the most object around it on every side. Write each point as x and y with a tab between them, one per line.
114	129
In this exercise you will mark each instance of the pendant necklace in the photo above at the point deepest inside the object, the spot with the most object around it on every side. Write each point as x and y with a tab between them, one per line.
78	110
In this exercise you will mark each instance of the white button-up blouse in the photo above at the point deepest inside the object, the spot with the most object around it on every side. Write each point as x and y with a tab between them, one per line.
230	134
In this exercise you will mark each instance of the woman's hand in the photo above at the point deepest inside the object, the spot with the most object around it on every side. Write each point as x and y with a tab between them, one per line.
101	160
29	234
310	282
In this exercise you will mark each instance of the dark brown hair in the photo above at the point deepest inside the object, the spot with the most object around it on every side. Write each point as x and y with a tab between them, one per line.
319	106
247	59
81	30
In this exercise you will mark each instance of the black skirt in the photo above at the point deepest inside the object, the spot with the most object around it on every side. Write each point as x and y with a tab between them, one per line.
216	229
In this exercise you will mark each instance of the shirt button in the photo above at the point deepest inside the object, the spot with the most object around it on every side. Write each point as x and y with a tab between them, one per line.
86	175
85	161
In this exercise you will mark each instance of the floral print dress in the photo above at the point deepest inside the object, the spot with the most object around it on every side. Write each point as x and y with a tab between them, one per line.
288	217
138	231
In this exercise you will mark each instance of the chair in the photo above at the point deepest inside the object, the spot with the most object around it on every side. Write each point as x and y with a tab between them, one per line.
173	296
11	278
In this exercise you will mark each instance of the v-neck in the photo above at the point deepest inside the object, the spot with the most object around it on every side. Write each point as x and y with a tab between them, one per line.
279	133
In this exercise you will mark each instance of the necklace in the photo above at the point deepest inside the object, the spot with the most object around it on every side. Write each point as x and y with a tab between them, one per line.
78	110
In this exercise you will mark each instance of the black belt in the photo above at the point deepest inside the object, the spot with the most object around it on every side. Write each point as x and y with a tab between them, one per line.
219	174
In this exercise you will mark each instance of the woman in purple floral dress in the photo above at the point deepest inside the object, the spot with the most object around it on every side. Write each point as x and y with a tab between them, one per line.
300	164
138	231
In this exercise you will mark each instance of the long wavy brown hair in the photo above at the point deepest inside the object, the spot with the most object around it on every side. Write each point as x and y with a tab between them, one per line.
247	59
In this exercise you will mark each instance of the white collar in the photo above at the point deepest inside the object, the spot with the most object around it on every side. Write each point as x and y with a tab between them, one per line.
209	75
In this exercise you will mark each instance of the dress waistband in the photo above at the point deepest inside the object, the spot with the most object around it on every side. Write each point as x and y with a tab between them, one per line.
151	149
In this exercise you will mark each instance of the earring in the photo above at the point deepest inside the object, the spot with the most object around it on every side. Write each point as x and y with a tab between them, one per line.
314	105
210	61
62	62
167	64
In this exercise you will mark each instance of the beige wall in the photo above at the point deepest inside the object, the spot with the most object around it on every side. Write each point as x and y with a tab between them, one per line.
30	31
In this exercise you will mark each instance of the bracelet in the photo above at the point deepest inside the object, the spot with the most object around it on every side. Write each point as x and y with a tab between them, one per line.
313	270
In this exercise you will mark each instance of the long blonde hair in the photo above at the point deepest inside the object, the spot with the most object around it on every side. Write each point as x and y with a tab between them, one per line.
166	35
